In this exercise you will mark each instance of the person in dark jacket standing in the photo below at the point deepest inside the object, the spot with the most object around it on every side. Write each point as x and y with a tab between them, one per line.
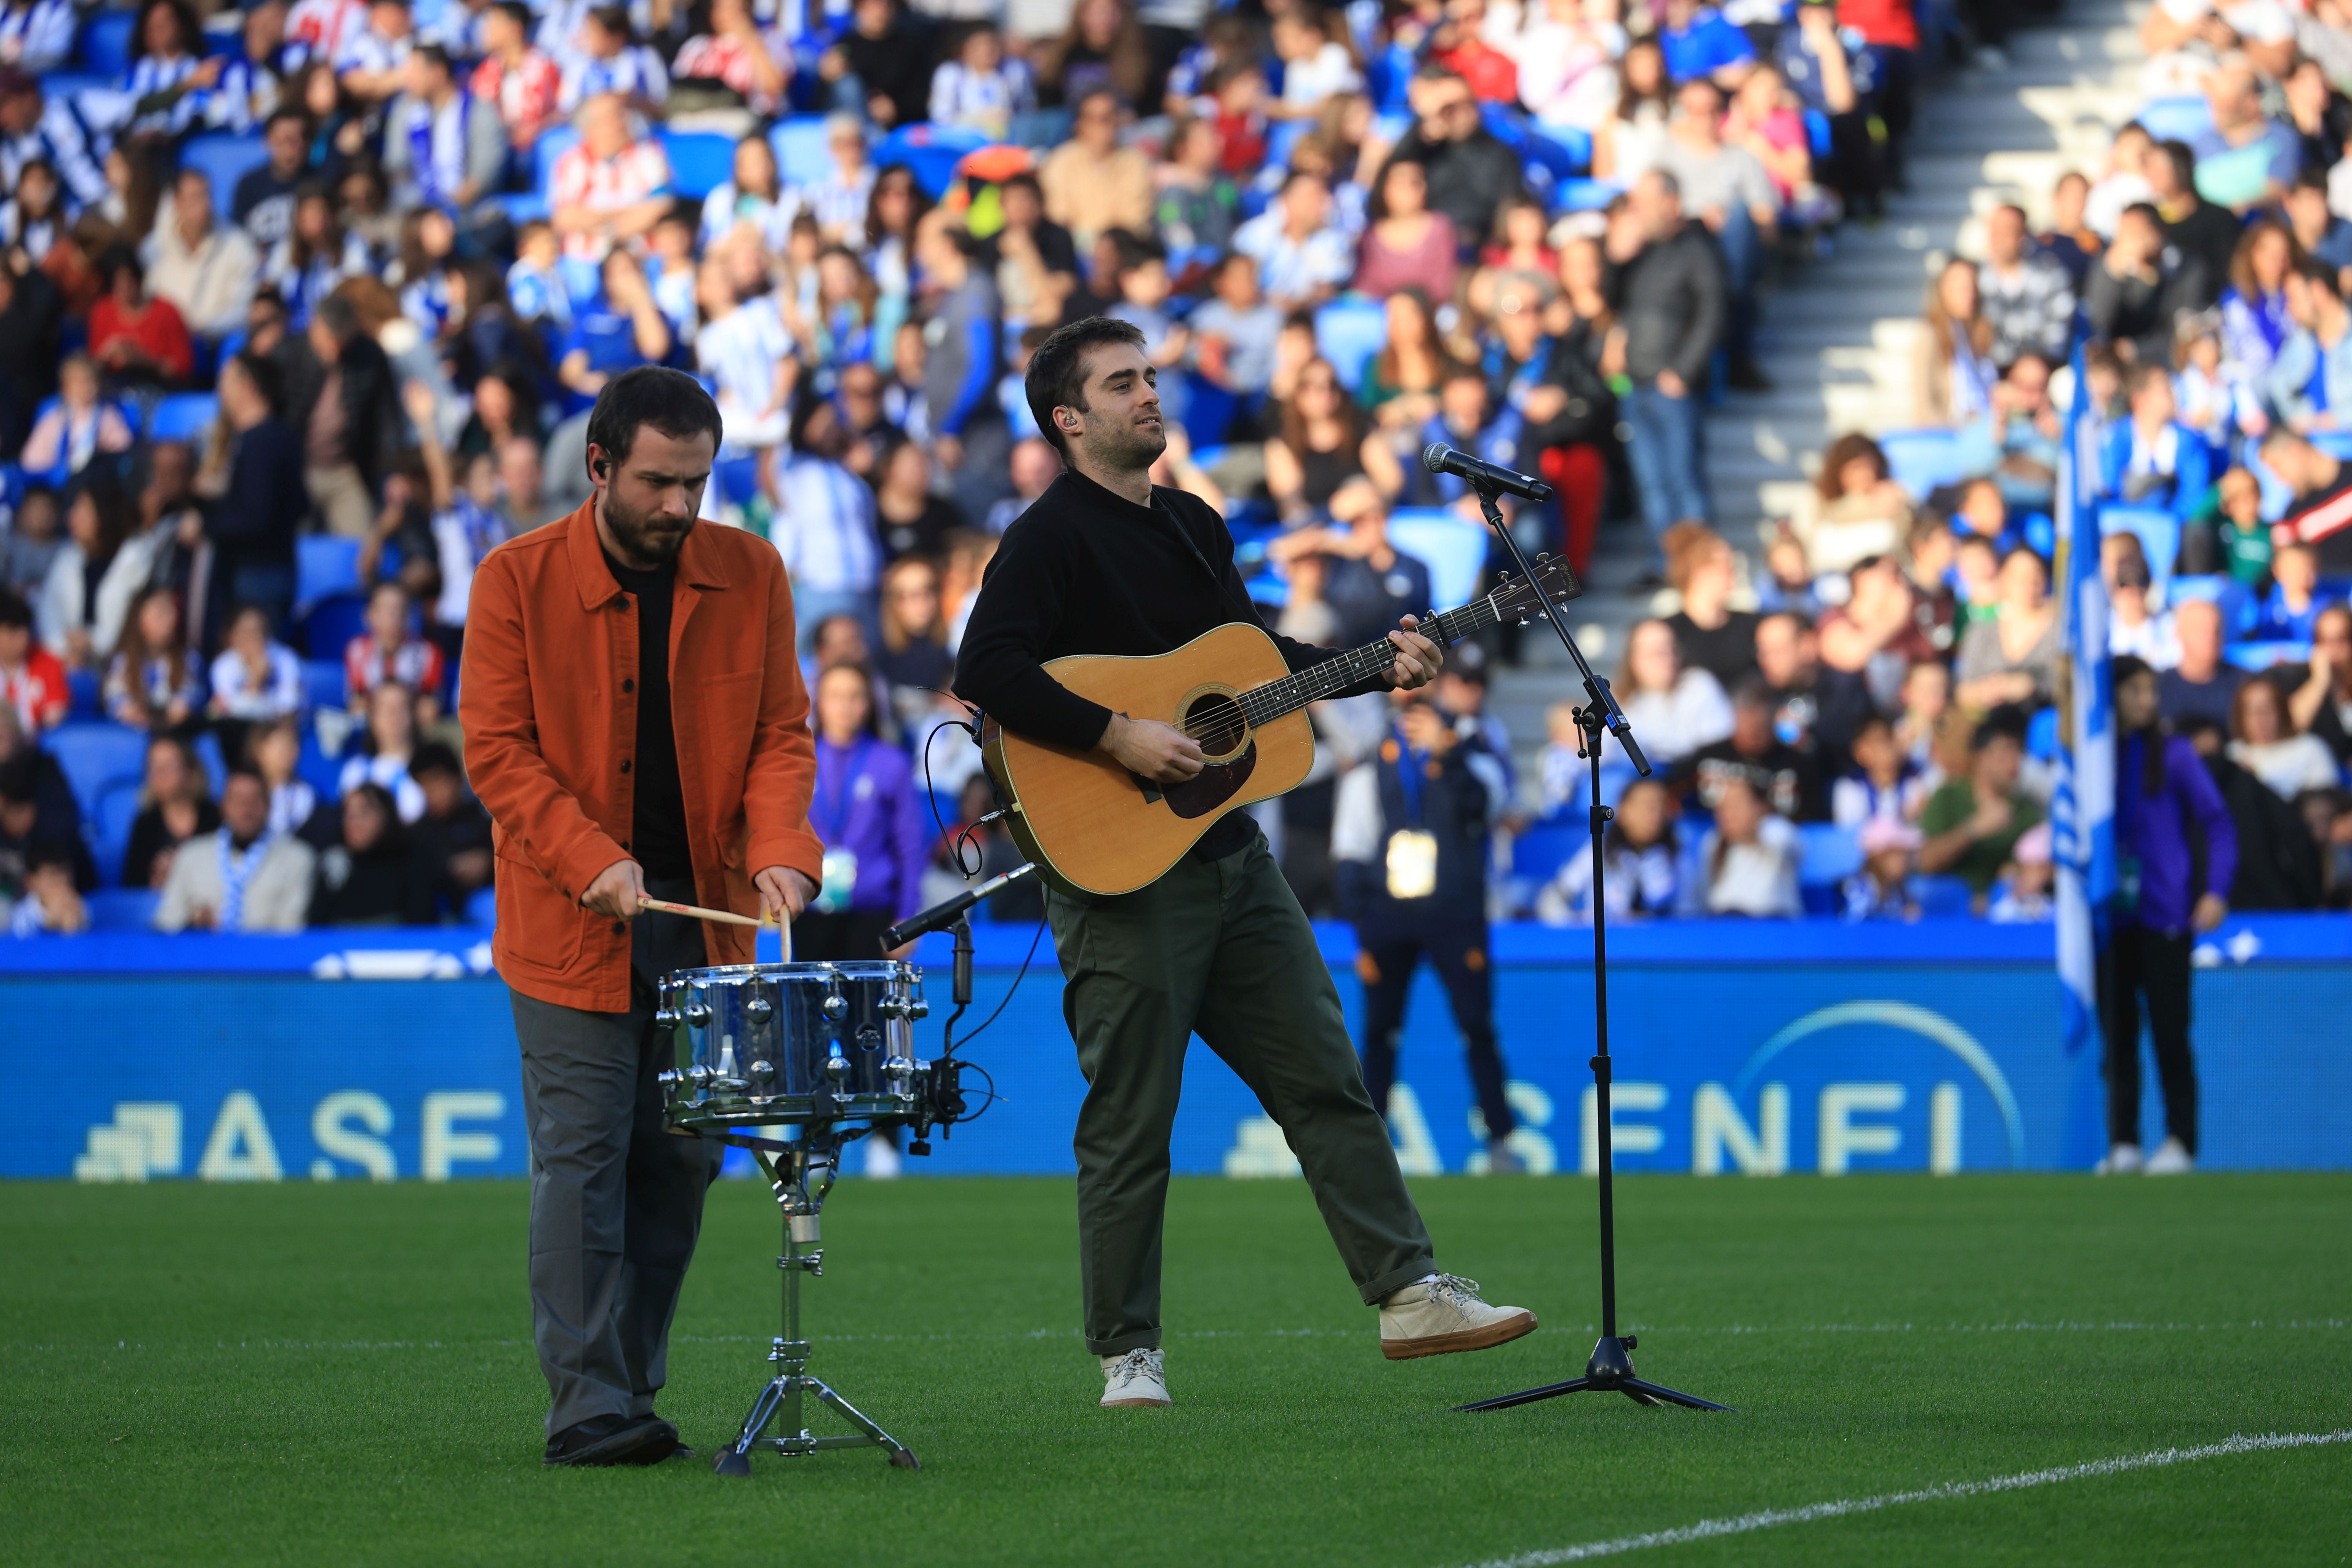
1105	563
1470	171
341	398
2166	891
260	500
1672	295
1408	842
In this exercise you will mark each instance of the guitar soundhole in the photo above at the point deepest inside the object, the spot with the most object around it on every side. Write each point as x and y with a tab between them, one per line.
1215	721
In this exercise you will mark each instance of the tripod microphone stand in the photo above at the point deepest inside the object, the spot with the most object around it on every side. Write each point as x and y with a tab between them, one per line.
1610	1368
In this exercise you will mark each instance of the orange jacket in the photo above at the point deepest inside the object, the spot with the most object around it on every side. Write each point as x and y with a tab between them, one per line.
550	719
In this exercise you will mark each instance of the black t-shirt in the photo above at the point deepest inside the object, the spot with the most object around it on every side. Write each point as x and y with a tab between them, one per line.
896	65
657	820
264	206
1788	779
1727	653
925	533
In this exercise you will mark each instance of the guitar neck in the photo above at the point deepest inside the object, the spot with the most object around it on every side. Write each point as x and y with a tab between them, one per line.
1264	704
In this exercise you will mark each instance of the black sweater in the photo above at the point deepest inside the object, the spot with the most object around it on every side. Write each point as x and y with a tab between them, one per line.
1084	571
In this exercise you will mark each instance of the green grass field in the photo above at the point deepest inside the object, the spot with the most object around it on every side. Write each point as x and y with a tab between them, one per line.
332	1375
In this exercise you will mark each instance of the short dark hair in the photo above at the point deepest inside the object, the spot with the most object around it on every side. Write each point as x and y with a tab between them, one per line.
671	401
434	757
242	769
434	55
516	12
1057	370
2007	721
14	611
286	112
267	384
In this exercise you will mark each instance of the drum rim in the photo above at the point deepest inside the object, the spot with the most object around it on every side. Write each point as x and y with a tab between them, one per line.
852	968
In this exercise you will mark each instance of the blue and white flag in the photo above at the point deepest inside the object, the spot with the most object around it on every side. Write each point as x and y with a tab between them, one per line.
2082	807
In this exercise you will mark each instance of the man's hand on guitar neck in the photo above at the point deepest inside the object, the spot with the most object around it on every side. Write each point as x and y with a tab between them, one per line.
1418	659
1151	750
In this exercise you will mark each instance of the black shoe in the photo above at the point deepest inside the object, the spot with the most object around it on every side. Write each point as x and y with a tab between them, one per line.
612	1440
1747	375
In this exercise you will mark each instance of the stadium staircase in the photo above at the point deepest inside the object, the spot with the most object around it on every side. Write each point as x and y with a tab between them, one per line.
1838	333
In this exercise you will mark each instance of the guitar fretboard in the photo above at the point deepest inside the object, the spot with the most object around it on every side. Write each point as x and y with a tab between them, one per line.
1264	704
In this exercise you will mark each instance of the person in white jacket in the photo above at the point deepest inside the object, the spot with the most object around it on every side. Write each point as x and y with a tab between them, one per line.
104	566
242	878
207	269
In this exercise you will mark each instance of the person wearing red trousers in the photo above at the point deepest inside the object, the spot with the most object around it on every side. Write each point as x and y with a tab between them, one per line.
1572	412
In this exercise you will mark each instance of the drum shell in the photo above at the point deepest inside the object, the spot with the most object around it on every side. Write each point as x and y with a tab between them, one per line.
760	1046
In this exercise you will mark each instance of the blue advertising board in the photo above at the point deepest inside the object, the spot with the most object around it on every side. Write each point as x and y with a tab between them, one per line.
1750	1048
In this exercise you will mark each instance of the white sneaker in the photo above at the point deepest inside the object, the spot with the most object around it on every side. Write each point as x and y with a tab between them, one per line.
1138	1378
2171	1158
2122	1160
1502	1160
1443	1314
881	1159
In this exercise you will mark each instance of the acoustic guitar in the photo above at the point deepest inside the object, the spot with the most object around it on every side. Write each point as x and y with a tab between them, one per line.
1091	825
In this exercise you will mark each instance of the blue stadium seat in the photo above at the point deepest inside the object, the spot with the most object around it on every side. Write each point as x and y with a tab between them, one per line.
1817	133
122	909
933	151
1832	854
1537	854
224	160
1584	196
553	143
2182	119
521	207
70	85
699	161
802	156
1348	332
183	417
322	772
1209	411
2159	536
1923	460
106	45
2240	609
322	683
324	565
93	755
2042	734
2263	655
330	625
208	752
1452	547
1562	151
1941	898
481	909
85	688
108	827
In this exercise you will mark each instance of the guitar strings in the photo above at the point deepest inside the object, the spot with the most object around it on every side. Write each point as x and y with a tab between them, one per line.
1262	704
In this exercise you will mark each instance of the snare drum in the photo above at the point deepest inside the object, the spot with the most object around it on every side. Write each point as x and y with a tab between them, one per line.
763	1044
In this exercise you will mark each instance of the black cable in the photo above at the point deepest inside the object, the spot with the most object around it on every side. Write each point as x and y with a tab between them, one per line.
954	842
1018	976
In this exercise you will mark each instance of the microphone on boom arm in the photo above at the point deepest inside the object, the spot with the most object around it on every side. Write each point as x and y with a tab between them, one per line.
1439	458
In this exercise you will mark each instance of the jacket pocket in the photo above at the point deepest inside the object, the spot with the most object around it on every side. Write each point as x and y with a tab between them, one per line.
540	928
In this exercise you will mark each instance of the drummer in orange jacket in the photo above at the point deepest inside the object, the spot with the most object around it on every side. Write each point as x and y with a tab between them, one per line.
612	772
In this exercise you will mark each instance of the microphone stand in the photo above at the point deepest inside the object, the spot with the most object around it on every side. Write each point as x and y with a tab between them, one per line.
1610	1368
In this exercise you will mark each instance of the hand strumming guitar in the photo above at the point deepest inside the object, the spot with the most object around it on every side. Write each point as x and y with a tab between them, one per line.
1151	750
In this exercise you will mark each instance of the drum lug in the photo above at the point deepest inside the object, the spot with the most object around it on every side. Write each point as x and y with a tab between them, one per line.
764	1071
759	1009
699	1074
918	1009
835	1005
667	1076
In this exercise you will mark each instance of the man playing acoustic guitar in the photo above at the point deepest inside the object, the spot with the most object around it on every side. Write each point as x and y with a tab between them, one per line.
1105	562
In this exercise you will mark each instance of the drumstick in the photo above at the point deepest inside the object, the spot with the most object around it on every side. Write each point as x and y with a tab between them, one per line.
696	912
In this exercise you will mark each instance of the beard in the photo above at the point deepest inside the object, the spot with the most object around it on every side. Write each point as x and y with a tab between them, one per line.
643	535
1125	449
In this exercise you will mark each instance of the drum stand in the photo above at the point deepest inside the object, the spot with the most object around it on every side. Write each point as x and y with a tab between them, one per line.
800	1174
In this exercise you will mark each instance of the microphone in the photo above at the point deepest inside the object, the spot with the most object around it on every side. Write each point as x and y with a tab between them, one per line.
1439	458
941	916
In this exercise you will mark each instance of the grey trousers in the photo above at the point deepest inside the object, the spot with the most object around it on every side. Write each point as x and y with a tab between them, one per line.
1219	947
615	1202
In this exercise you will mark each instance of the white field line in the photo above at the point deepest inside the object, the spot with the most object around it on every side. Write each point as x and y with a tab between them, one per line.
2022	1326
1772	1519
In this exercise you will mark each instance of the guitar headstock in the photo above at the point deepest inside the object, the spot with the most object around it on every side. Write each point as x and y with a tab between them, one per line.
1519	598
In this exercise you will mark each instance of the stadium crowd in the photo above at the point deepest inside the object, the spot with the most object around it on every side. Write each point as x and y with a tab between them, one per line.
303	310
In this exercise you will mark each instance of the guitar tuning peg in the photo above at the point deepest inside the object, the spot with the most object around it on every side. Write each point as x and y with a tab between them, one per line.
1543	555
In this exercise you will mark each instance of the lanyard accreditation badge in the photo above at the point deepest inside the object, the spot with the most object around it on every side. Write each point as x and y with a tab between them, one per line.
840	867
1411	858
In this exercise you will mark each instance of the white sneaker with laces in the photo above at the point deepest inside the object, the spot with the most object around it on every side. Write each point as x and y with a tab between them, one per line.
2122	1160
1442	1314
1138	1379
2171	1158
